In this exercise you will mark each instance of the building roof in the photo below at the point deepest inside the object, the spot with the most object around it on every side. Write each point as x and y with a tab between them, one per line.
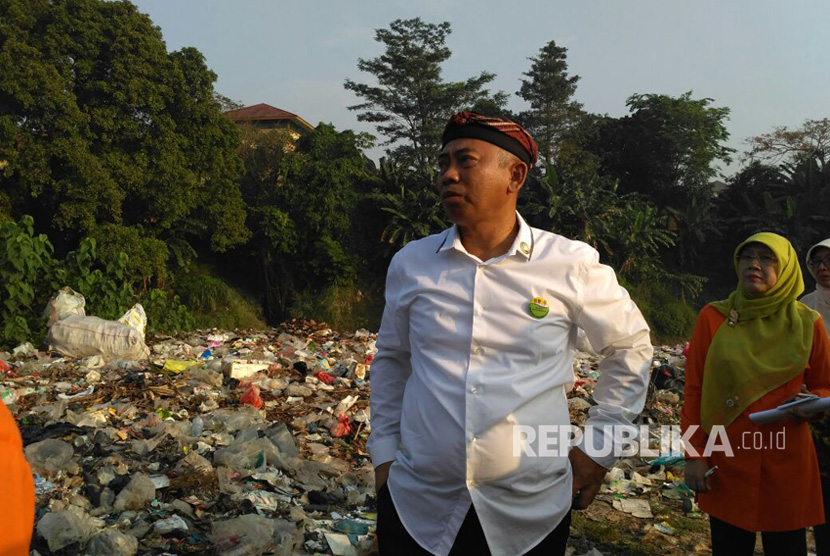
265	112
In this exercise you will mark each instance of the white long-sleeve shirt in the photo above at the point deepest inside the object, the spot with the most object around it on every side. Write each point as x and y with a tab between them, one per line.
819	300
461	362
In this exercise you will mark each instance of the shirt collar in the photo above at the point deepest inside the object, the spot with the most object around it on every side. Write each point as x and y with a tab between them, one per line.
522	245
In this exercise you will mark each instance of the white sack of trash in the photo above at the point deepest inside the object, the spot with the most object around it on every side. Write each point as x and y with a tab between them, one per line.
74	334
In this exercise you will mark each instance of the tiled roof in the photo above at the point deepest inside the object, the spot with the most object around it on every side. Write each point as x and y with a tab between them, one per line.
264	111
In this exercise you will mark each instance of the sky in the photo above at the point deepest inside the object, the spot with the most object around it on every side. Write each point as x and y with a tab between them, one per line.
763	59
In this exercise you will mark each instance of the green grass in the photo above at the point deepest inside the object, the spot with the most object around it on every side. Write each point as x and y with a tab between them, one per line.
612	538
343	307
215	304
669	316
674	517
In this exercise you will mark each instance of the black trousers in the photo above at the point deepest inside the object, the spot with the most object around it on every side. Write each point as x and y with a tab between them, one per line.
728	540
822	532
394	540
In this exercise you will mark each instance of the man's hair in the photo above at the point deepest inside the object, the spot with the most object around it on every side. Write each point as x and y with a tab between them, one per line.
506	158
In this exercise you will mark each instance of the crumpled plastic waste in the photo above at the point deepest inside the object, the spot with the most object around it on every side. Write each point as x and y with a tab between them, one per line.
342	427
67	527
251	396
255	534
139	492
112	542
251	449
154	455
49	457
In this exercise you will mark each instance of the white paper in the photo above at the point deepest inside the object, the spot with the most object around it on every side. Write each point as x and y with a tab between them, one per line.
808	407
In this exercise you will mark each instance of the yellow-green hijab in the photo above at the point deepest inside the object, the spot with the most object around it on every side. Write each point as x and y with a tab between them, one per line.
765	342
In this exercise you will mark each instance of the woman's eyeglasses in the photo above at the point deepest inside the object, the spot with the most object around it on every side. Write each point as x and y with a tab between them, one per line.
765	259
817	262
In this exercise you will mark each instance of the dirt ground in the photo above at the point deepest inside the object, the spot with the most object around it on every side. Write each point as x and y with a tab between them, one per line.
612	532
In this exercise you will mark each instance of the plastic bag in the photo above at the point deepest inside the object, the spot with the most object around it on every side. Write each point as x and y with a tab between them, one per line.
8	396
66	527
254	534
80	336
112	542
49	457
174	366
64	303
666	377
342	427
244	454
251	396
139	492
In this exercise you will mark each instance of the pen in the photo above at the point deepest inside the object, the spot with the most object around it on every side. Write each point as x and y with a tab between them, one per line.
710	472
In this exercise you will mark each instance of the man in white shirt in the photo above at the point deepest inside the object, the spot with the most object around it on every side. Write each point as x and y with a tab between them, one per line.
476	345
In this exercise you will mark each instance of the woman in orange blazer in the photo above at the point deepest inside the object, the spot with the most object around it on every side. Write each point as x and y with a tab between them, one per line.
752	352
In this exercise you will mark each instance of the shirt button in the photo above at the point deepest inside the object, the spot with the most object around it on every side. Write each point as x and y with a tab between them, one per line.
479	351
473	389
481	267
475	438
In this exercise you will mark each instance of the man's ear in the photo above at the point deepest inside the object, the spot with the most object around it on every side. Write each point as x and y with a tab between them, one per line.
518	176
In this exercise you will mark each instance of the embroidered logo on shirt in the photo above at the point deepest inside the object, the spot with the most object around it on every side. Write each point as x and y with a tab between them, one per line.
538	307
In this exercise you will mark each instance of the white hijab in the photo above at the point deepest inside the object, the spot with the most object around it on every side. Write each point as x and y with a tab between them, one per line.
819	299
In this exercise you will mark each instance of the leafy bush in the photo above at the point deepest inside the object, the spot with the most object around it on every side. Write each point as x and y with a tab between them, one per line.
147	256
166	314
215	304
31	275
27	272
668	314
108	292
341	306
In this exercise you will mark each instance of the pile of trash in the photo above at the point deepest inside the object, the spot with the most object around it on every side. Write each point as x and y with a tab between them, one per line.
636	485
665	390
219	442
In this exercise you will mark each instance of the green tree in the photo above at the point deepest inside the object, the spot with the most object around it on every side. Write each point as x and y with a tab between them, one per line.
667	146
27	271
549	90
412	213
639	236
667	151
411	102
100	124
791	199
304	200
578	207
226	103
